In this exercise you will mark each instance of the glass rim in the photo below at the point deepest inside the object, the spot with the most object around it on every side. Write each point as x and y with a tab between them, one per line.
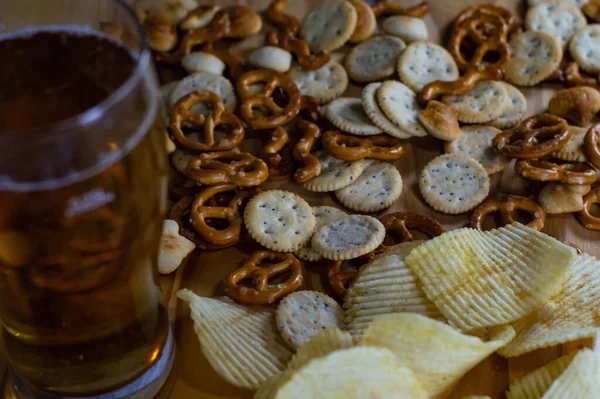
67	127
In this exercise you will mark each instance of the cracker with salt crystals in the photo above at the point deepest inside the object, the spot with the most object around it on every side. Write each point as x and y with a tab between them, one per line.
475	141
386	285
347	114
173	248
438	354
335	173
354	373
323	215
302	314
271	57
371	107
454	183
423	62
329	25
485	102
399	104
534	57
481	279
571	313
374	59
515	110
585	48
348	237
205	81
377	188
558	18
279	220
409	29
573	151
325	84
563	198
240	342
199	61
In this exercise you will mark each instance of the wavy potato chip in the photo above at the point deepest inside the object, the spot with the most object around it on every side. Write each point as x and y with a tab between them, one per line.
241	342
438	354
481	279
570	314
386	285
355	373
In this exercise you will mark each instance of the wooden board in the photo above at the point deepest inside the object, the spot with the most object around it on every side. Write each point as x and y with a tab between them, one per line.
204	271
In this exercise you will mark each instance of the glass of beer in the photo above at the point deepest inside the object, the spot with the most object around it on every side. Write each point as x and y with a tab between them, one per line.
82	199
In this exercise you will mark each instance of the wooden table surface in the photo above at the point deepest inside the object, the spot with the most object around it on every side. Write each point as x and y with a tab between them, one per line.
203	272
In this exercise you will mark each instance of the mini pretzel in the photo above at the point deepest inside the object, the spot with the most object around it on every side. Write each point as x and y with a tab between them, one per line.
592	145
568	173
585	216
271	80
535	137
233	61
280	163
239	168
391	8
263	292
503	208
181	113
352	148
310	165
458	87
285	22
299	48
487	9
338	279
310	109
574	77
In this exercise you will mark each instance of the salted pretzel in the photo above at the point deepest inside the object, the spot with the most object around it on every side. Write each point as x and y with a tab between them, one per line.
535	137
181	114
568	173
264	289
284	22
276	152
239	168
352	148
585	216
310	108
592	145
264	99
338	278
573	77
234	62
298	47
310	166
458	87
487	9
385	8
503	209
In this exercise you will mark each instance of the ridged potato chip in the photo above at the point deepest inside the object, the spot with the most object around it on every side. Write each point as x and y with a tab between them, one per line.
438	354
571	313
481	279
355	373
241	342
386	285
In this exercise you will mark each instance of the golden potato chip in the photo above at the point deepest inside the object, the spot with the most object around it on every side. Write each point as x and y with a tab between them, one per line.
480	279
355	373
241	342
386	285
438	354
269	389
571	313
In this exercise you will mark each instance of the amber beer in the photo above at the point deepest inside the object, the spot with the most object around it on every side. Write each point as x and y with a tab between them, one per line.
82	183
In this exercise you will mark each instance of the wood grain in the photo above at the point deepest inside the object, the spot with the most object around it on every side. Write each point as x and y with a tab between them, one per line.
204	271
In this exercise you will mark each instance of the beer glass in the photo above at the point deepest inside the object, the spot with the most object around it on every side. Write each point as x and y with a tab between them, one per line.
82	200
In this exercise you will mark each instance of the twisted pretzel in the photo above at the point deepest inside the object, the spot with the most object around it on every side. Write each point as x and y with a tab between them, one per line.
250	101
487	9
592	145
535	137
234	62
181	113
352	148
239	168
338	279
299	48
503	207
585	216
263	292
458	87
574	77
391	8
280	162
310	166
568	173
310	108
285	22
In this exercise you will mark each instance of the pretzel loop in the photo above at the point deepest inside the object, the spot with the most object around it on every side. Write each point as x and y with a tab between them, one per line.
352	148
458	87
585	216
285	22
592	145
310	166
503	208
200	212
391	8
241	169
338	279
277	154
298	47
263	292
568	173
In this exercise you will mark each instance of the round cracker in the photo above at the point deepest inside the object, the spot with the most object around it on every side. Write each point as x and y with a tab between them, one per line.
558	18
534	57
279	220
366	23
323	215
374	59
399	104
423	62
371	108
573	151
454	183
206	81
348	237
585	48
475	141
377	188
335	173
329	25
578	3
515	110
486	101
347	114
409	29
325	84
271	57
302	314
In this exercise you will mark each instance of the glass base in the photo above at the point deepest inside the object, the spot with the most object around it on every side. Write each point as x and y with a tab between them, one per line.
148	385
